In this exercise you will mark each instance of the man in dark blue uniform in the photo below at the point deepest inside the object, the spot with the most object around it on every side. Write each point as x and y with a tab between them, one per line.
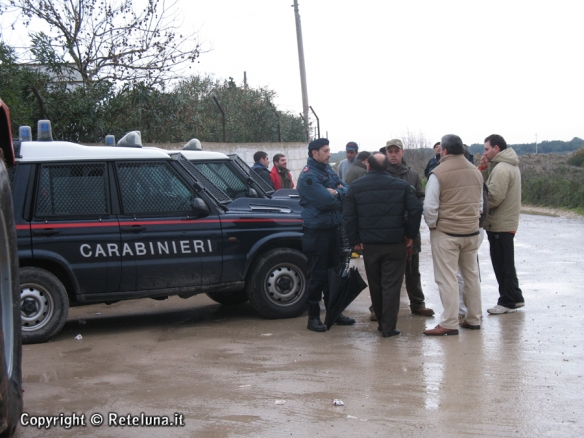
321	196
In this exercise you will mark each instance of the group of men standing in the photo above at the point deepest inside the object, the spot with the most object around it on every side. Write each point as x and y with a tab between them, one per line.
277	178
381	210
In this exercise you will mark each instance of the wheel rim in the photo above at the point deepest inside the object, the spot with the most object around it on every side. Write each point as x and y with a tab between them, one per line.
284	284
6	296
36	307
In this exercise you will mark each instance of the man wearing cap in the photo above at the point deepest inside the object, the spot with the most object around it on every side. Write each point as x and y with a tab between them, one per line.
352	149
321	194
399	169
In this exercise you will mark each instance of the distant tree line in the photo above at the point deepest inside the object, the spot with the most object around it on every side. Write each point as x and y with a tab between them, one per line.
164	114
545	147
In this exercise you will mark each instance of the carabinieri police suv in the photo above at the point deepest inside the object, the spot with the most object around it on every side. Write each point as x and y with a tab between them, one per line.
98	224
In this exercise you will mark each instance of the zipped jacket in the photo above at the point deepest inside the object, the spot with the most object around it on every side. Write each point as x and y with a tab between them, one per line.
321	209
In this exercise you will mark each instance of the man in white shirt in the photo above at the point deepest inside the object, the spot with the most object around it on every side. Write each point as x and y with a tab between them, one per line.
452	209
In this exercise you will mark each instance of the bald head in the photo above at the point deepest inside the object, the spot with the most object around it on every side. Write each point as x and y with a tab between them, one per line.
377	161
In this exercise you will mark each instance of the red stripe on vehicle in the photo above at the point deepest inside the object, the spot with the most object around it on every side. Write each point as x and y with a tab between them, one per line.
138	223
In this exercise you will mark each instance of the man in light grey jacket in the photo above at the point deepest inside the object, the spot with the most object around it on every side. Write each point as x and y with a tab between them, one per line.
352	149
500	168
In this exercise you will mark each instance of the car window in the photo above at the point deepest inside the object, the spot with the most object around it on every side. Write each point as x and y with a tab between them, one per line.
224	177
152	187
72	190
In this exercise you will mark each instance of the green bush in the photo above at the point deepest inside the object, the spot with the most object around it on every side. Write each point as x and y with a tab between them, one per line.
577	158
553	191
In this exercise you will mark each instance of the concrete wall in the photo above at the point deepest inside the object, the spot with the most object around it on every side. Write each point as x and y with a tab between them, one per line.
296	153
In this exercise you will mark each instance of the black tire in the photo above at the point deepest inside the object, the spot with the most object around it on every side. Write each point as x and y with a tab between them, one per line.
228	298
277	284
10	344
44	305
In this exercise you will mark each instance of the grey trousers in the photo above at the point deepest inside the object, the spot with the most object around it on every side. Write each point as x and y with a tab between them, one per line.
385	266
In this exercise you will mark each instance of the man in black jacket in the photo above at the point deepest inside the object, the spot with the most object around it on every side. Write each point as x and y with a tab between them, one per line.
374	216
434	161
260	166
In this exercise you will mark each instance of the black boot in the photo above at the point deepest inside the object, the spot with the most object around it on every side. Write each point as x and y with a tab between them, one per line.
344	320
316	325
314	322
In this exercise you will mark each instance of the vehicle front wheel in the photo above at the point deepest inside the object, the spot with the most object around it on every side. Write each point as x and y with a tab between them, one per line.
277	285
43	305
10	346
228	298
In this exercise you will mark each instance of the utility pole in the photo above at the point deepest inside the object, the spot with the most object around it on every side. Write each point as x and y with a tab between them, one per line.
536	143
302	66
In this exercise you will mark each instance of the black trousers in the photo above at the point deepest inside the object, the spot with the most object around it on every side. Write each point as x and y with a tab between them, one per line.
385	265
413	284
503	260
323	250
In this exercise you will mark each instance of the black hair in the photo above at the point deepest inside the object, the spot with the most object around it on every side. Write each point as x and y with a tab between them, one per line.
259	155
363	155
497	140
277	157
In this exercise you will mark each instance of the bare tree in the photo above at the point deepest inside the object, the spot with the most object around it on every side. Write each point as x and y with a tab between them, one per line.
109	39
417	150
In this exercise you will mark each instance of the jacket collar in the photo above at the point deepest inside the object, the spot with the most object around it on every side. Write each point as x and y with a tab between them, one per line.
397	168
313	163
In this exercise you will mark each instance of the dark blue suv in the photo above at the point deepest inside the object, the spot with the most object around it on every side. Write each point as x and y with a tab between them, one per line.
99	224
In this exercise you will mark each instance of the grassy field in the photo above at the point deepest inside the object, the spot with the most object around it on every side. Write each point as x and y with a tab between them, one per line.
549	181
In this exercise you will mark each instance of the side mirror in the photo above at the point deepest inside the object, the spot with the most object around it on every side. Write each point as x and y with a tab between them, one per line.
252	193
200	208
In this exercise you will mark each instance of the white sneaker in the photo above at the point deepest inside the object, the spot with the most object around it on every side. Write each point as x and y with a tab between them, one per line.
498	309
518	305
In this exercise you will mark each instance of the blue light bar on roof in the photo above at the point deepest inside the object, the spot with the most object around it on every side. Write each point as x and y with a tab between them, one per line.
25	133
44	131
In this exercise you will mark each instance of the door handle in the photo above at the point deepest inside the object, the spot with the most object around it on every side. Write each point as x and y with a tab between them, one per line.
45	232
133	228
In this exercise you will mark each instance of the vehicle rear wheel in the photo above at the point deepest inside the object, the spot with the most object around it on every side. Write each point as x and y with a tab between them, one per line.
277	285
43	305
228	298
10	333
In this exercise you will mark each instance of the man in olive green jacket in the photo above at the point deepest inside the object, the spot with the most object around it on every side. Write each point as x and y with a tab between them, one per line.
499	166
359	168
400	170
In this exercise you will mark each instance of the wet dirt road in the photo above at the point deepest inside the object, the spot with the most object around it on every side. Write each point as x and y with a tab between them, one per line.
223	368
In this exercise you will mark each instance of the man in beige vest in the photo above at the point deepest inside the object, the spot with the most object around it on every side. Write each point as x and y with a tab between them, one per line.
452	209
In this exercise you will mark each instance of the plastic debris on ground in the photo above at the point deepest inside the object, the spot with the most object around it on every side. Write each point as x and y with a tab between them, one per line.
78	337
337	402
244	386
267	334
280	402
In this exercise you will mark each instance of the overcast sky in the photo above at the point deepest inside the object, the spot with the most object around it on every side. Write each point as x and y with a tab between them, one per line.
376	69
